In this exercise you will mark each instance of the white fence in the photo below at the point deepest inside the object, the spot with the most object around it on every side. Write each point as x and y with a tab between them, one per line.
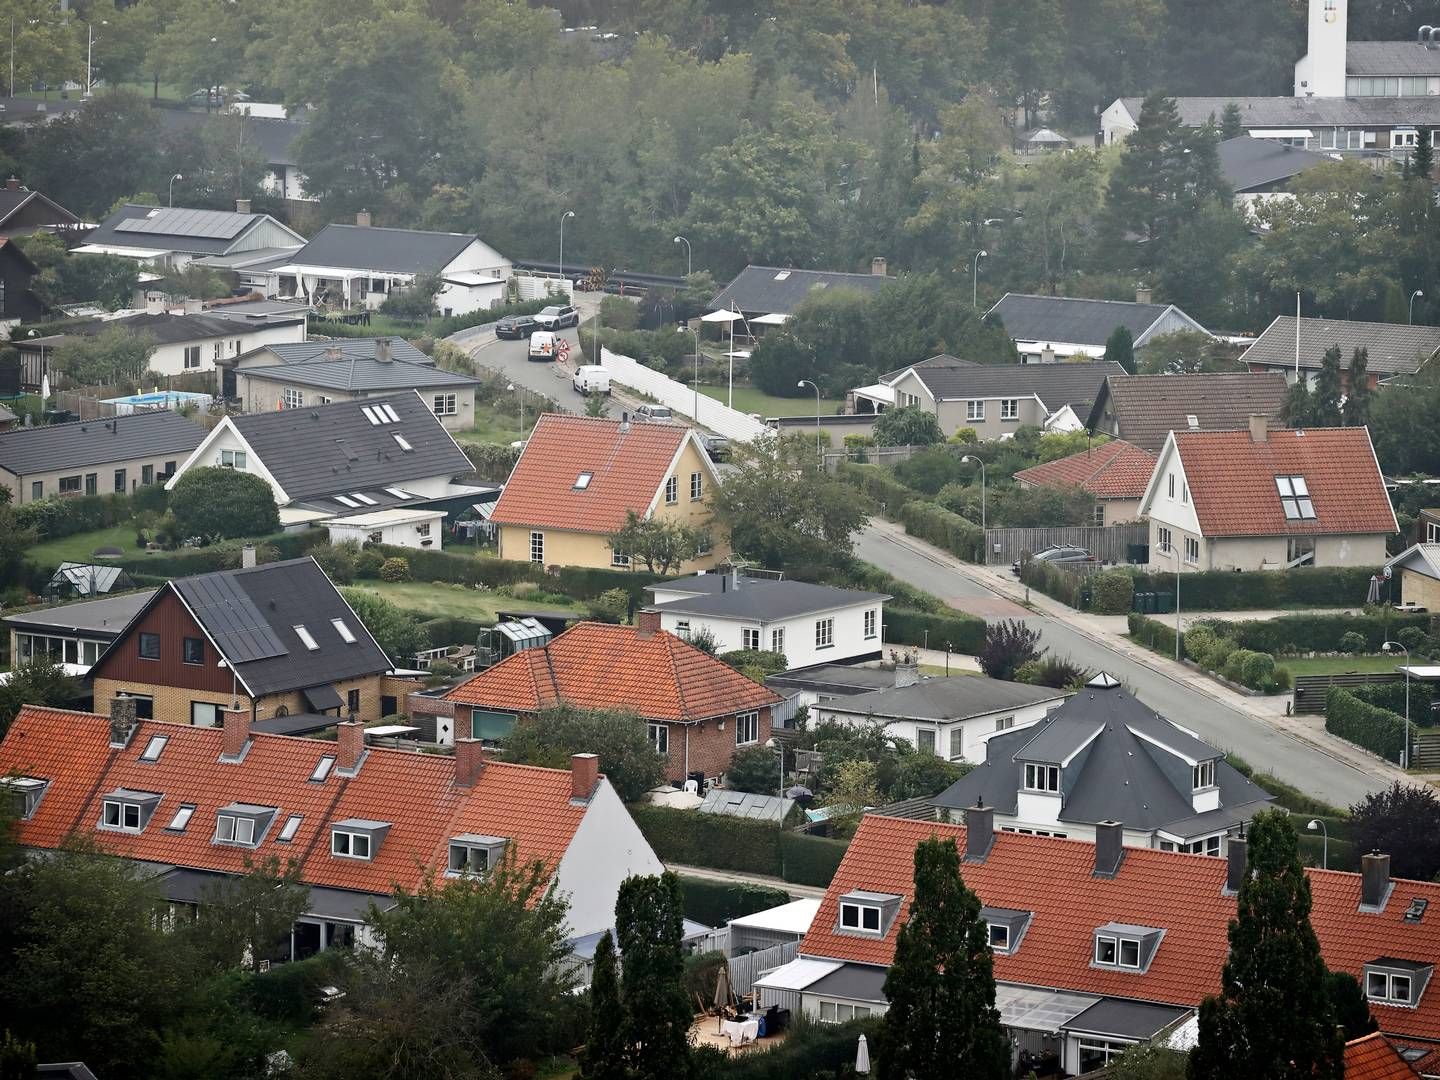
744	970
722	419
533	285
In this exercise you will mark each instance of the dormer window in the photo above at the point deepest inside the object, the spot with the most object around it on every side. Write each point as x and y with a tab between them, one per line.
357	838
860	917
1389	981
1203	775
1044	778
129	811
867	913
1004	928
471	853
242	824
1125	947
25	793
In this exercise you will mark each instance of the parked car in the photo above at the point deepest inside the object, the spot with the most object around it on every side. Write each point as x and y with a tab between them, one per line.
654	412
591	379
516	327
1060	555
542	346
717	446
558	316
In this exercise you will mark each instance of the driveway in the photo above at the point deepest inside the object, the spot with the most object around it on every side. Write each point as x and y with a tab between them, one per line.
1297	756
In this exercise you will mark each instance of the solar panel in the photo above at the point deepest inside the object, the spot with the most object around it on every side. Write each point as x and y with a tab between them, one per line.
206	224
231	617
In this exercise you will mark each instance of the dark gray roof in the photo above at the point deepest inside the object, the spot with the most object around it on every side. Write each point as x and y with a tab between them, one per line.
1306	112
1250	164
335	448
1146	408
162	228
169	329
833	679
920	808
97	442
101	619
303	352
779	290
361	375
1125	1018
854	982
761	599
1391	58
1075	320
274	138
13	199
1056	385
943	360
405	251
955	698
251	615
1391	348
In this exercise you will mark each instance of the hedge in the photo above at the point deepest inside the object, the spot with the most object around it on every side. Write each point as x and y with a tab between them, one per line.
580	582
728	843
1112	592
905	626
1315	633
53	519
1247	667
1378	730
810	860
1055	583
1152	633
715	903
944	528
222	556
1229	590
1391	696
888	493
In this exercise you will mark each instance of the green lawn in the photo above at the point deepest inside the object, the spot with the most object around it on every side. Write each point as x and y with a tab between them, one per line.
81	547
493	426
455	601
750	400
1337	665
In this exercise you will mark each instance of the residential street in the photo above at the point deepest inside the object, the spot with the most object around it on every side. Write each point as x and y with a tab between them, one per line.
1289	748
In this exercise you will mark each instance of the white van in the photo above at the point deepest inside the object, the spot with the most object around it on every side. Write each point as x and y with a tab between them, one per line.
591	379
542	345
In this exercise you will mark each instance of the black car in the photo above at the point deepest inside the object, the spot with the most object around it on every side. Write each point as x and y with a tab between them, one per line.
516	326
717	446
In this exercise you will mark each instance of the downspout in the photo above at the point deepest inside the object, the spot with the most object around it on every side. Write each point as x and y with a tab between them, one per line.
687	751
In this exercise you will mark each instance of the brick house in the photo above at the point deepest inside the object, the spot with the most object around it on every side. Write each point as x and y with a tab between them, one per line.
277	641
697	710
1115	474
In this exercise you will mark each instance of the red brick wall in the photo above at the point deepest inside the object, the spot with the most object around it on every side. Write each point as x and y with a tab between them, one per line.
710	748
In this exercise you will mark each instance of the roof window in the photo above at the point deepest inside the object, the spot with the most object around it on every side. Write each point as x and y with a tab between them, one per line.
346	634
288	830
25	793
402	442
583	481
869	914
782	275
1389	981
154	747
182	817
389	412
322	768
1295	498
362	497
306	638
372	415
397	493
1125	947
345	500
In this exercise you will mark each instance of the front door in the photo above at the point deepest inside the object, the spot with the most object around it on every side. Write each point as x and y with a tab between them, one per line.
305	940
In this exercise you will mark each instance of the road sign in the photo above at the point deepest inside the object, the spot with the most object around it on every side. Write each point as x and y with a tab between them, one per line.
562	350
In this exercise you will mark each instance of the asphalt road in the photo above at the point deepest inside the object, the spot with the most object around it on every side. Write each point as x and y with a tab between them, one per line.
1309	769
539	377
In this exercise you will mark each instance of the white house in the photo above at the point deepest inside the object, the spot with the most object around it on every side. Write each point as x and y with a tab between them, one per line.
171	236
1050	329
809	624
396	527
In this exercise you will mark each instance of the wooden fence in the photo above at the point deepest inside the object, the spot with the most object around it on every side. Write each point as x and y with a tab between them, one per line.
1109	543
744	970
1310	689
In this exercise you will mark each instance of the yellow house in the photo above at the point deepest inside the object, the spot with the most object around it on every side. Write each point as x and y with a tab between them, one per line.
579	476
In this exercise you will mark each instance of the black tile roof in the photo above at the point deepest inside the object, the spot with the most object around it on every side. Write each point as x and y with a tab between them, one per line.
1056	385
102	619
1391	348
779	290
97	442
761	599
162	228
275	138
1250	163
364	247
1075	320
361	375
302	352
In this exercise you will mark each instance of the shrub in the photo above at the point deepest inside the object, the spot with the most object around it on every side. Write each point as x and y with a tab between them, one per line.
755	769
611	605
1049	579
395	568
1112	592
962	633
338	560
1008	646
1378	730
888	493
368	564
760	661
943	528
218	504
1412	637
1257	670
1351	642
1200	644
715	903
1152	633
1051	671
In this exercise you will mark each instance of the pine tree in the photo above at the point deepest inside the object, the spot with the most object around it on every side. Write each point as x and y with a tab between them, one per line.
603	1057
1359	396
1120	347
1231	126
1299	408
1422	159
1329	386
655	1019
1273	1017
941	985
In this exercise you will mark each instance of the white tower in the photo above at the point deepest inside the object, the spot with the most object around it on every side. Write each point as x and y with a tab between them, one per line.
1321	72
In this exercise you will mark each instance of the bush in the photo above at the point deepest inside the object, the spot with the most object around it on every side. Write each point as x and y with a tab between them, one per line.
1228	590
1378	730
1054	582
218	504
1391	696
1322	632
1152	633
611	606
888	493
962	633
395	568
491	461
1112	592
368	564
338	560
945	529
728	843
811	1050
1351	642
715	903
757	661
755	769
53	519
1051	671
1412	637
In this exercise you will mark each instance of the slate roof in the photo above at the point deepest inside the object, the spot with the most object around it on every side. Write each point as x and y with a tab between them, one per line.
12	199
318	451
361	247
415	793
1075	320
1182	894
1391	348
361	375
1390	58
1146	408
316	349
97	442
761	599
1111	470
627	464
1123	775
103	618
163	228
1232	481
1306	112
605	666
762	289
942	360
1373	1058
1056	385
1250	164
955	698
275	138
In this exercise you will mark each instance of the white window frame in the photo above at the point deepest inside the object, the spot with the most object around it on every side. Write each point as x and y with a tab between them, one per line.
192	357
293	398
128	816
1192	550
777	640
1042	778
619	559
445	404
537	548
865	915
1009	409
957	742
306	638
672	490
1109	943
659	736
871	624
697	486
750	638
841	1012
1003	930
1202	776
346	634
232	459
230	827
467	867
1391	979
825	633
290	828
747	728
1164	536
183	813
349	845
975	410
1109	1049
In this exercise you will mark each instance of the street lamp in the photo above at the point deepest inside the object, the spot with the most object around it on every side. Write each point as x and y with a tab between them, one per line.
820	454
971	459
695	409
1316	823
89	54
520	393
177	176
682	240
779	748
1413	295
1172	550
1391	646
566	214
975	279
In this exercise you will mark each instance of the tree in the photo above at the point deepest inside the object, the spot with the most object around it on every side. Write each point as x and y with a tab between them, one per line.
1329	384
1357	400
86	158
1142	1062
38	681
1120	349
417	301
108	280
1299	408
603	1055
247	915
655	1020
216	504
942	1019
1187	352
661	544
852	789
1422	158
17	1058
1273	1016
115	355
756	769
627	757
920	775
1404	820
1232	125
1008	645
395	630
909	425
1352	1011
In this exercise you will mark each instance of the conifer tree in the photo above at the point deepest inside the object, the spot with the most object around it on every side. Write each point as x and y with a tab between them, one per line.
1422	159
1359	395
655	1018
603	1057
1299	408
1231	126
1120	347
1329	385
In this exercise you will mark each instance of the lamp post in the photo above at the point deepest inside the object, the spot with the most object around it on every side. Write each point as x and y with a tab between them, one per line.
566	214
971	459
820	454
695	386
177	176
1391	646
89	55
779	748
1316	823
682	240
1413	295
519	393
1175	553
975	278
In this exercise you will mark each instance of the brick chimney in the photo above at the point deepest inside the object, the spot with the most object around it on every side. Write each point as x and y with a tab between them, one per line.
349	744
1259	427
362	218
907	671
242	206
469	762
334	352
1375	883
122	719
1237	854
382	350
646	623
584	775
979	831
13	184
1109	848
235	732
877	266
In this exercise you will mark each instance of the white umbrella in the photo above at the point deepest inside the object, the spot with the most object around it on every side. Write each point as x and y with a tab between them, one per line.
722	316
862	1057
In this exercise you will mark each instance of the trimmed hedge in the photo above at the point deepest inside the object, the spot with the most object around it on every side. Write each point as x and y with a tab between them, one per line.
727	843
222	556
1378	730
810	860
1055	583
1228	590
1315	633
580	582
888	493
1391	696
1152	633
904	626
1112	592
1247	667
53	519
715	903
944	528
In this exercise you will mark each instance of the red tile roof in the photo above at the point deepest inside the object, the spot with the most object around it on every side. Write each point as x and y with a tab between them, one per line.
1232	481
1181	894
627	470
604	666
1373	1058
1112	470
415	793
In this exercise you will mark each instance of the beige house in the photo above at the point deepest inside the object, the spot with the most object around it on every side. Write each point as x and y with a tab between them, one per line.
579	477
997	399
1419	570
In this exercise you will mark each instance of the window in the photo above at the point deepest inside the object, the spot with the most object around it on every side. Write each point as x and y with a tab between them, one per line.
1389	987
1042	777
194	650
870	624
147	474
1105	951
468	858
1118	950
234	829
840	1012
154	747
293	398
1192	550
402	442
659	735
777	640
423	529
373	414
697	486
306	638
1098	1053
25	793
1295	498
750	637
204	714
925	740
1004	723
1163	535
445	405
975	410
288	830
346	634
350	845
1208	846
124	816
1170	485
747	728
37	489
620	559
537	547
322	768
192	357
860	918
345	500
824	633
1097	514
1010	409
1299	549
182	817
120	482
999	936
583	481
149	646
232	459
92	483
1203	775
352	702
672	490
1129	953
70	485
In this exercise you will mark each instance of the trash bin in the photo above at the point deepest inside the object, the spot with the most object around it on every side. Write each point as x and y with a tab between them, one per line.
1142	602
1164	603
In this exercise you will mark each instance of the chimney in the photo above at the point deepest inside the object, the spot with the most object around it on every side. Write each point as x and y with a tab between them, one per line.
334	352
584	775
979	831
1047	354
1142	294
362	218
646	623
349	744
13	184
624	423
242	206
1237	850
382	350
1109	848
469	762
1375	883
877	266
194	305
247	556
907	671
122	719
235	732
154	305
1259	427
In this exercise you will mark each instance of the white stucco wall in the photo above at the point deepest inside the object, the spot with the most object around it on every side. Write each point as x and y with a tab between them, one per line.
800	649
397	534
607	848
170	359
975	731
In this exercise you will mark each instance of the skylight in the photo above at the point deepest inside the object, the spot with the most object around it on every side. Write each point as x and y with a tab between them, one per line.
153	747
344	631
782	275
366	499
583	481
181	818
345	500
306	638
388	411
1295	498
372	414
402	442
397	493
323	767
292	824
